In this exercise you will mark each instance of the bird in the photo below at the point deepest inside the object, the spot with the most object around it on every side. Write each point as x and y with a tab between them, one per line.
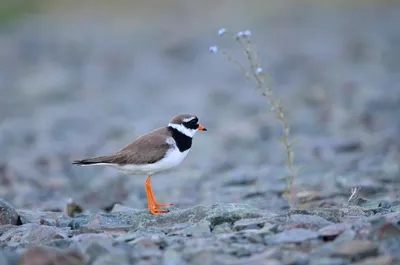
157	151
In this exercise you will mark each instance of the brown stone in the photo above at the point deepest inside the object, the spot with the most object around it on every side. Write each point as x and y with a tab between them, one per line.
330	232
51	256
382	260
356	249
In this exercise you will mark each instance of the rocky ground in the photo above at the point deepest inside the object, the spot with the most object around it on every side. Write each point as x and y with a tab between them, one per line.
80	81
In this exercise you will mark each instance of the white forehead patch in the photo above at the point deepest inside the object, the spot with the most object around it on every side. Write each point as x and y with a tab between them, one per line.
188	119
183	129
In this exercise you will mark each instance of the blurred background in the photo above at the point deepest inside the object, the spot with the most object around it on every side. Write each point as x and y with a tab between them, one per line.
84	78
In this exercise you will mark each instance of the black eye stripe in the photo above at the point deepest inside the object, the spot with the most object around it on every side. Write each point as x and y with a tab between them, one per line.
192	124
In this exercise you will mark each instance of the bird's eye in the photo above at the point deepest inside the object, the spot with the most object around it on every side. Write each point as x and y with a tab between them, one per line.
194	121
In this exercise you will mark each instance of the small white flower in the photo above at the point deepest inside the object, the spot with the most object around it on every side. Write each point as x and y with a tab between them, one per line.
221	31
213	49
259	70
240	34
247	33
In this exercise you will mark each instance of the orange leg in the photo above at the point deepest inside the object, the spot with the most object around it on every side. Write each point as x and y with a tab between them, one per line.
156	204
151	202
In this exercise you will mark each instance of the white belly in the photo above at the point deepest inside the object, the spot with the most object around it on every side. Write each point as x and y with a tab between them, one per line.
172	159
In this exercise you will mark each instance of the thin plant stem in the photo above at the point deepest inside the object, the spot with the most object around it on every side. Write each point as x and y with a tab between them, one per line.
262	81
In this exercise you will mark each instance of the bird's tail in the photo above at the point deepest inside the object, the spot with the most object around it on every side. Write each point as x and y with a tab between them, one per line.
92	161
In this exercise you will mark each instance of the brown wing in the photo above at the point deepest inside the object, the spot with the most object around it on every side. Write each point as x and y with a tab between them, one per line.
146	149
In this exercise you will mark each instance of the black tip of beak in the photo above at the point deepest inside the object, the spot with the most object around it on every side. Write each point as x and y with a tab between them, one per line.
205	129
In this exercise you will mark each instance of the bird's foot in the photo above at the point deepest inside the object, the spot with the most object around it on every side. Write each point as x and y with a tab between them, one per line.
154	210
156	204
151	202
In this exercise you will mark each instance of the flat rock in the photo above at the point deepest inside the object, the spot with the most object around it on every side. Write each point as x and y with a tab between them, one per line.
295	235
113	258
200	229
328	261
381	260
331	214
242	237
299	221
356	249
8	214
33	234
330	232
44	218
215	214
255	223
149	232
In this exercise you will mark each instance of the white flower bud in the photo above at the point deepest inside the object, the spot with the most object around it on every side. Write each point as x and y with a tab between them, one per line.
213	49
221	31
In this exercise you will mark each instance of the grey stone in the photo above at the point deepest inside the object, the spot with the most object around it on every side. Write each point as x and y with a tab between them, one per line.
242	237
270	256
87	239
328	261
200	229
146	249
331	214
33	233
172	257
5	228
59	243
221	213
241	250
44	218
112	259
94	250
79	221
256	223
330	232
295	235
381	260
285	222
121	208
149	232
295	257
174	227
8	214
117	218
215	214
325	250
222	228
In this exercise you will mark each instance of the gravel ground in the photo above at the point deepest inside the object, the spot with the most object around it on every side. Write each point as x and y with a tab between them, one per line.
79	81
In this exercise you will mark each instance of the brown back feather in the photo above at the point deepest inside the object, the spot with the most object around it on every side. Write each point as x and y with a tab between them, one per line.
146	149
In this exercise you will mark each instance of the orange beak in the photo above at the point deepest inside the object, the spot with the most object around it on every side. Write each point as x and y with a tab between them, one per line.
201	128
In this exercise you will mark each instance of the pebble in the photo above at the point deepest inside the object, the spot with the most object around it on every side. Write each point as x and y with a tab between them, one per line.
295	235
356	249
51	256
381	260
8	214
